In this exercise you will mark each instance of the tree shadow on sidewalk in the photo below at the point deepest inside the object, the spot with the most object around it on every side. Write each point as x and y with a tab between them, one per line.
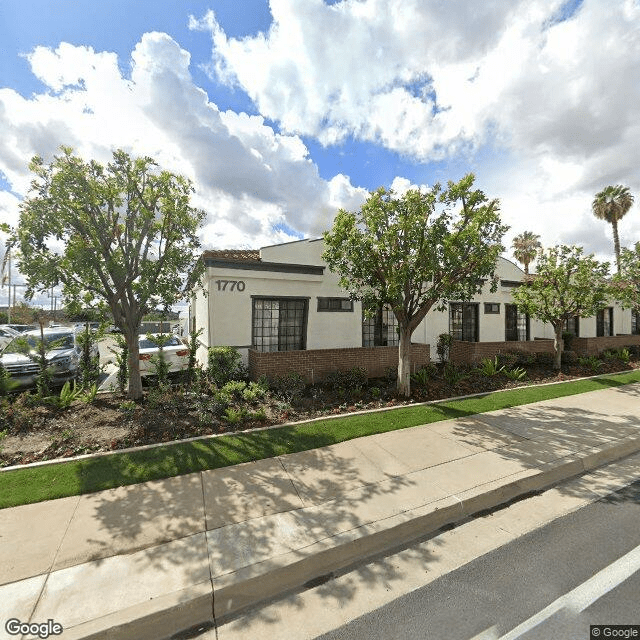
252	512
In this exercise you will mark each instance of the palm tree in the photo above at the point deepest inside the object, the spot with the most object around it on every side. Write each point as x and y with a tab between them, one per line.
525	248
611	204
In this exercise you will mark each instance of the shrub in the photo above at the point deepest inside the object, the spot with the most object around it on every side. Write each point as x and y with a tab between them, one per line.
254	391
290	386
569	357
544	359
160	364
452	374
443	348
121	355
90	394
347	383
128	406
592	362
508	359
210	407
20	413
67	396
222	396
260	415
235	416
422	376
617	354
7	383
633	349
193	347
225	364
234	389
518	373
390	375
489	367
89	365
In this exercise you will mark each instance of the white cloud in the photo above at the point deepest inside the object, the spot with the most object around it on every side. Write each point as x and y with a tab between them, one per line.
428	78
248	177
436	80
369	68
9	211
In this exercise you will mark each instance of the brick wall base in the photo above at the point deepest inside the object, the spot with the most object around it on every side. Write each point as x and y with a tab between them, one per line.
594	346
314	364
467	352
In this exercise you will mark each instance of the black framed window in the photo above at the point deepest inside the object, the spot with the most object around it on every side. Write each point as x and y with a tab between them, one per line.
573	326
516	324
604	322
464	321
279	324
335	304
492	307
635	322
380	330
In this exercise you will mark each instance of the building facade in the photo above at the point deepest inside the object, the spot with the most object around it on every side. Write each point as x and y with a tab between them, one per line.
283	298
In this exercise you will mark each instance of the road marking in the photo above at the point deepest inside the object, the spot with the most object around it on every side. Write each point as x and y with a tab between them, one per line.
578	599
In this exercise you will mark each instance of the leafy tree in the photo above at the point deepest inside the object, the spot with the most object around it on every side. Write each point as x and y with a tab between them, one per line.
416	252
626	284
124	233
566	284
611	204
23	313
525	248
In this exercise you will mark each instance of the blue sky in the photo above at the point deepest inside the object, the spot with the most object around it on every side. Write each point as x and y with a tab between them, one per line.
283	111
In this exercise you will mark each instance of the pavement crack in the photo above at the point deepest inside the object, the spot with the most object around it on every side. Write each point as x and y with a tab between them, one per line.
206	542
53	561
302	502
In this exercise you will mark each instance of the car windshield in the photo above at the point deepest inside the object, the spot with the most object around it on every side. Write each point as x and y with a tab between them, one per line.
145	343
52	340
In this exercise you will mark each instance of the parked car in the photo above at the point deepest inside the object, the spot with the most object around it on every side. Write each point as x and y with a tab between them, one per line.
81	326
62	354
174	351
21	327
7	334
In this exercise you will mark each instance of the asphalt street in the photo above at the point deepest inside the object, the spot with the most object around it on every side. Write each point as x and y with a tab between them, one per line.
551	584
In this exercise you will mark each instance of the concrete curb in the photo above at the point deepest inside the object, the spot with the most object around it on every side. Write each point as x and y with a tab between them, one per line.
228	595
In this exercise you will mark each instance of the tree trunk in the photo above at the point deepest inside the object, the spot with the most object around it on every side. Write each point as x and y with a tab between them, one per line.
404	363
616	243
558	345
134	390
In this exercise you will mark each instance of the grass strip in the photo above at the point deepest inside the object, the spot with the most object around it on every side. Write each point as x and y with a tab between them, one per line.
34	484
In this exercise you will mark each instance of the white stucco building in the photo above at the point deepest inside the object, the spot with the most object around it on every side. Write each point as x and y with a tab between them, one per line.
284	298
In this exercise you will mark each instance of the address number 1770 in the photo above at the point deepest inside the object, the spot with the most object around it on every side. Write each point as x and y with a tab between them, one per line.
230	285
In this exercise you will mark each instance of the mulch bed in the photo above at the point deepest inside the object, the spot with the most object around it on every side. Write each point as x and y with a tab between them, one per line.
110	422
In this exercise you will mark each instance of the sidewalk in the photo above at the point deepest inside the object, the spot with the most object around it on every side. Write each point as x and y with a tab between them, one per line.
148	560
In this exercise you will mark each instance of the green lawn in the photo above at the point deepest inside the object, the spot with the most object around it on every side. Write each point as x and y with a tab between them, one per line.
24	486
